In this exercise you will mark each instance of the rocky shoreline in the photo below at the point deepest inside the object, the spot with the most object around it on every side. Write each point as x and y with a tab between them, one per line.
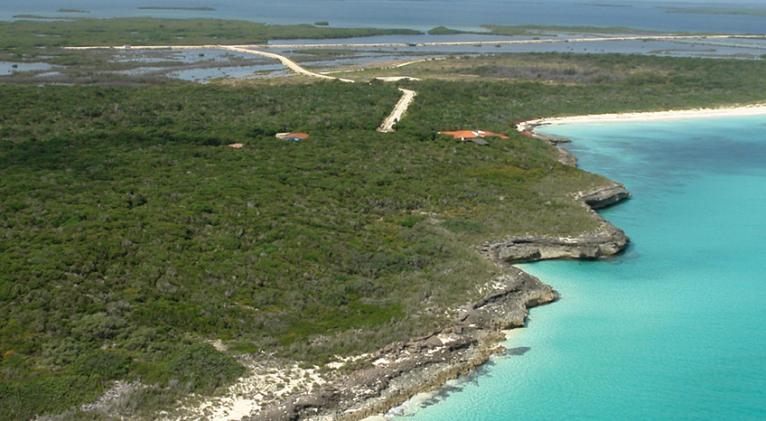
371	384
604	241
401	370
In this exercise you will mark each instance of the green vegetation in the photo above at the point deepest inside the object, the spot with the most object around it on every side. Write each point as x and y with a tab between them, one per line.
711	10
443	30
26	35
39	17
322	23
131	236
130	228
67	10
660	81
541	29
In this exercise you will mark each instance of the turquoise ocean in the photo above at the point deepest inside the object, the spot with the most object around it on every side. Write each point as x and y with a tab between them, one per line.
673	329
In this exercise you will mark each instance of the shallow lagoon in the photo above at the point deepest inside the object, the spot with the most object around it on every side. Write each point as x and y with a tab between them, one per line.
744	48
9	68
675	328
204	74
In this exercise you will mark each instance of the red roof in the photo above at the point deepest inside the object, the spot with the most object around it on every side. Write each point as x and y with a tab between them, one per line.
293	135
472	134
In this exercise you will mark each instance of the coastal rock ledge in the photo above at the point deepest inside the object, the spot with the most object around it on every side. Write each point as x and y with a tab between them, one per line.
605	241
399	371
605	196
390	376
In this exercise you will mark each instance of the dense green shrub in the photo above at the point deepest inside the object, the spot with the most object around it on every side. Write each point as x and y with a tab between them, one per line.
198	368
131	235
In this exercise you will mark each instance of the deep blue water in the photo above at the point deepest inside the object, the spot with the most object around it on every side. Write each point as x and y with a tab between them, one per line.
422	14
675	328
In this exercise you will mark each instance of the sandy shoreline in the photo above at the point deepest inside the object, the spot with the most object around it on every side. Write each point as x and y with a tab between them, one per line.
739	111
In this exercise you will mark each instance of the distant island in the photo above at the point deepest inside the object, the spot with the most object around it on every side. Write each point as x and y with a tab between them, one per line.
705	10
187	8
606	5
67	10
520	30
39	17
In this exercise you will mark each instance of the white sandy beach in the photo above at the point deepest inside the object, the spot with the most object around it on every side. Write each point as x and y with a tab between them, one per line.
739	111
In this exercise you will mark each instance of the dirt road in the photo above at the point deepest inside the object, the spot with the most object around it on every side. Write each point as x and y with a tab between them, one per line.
295	67
399	109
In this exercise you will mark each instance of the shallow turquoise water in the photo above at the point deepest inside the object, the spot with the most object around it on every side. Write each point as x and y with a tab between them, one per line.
675	328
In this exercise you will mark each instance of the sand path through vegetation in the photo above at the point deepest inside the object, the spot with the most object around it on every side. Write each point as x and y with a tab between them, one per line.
295	67
399	109
245	49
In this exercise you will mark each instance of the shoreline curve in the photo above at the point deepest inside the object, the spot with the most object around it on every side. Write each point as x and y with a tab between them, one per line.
733	111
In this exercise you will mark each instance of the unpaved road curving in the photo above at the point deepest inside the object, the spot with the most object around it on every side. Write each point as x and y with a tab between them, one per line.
256	49
399	109
295	67
386	127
